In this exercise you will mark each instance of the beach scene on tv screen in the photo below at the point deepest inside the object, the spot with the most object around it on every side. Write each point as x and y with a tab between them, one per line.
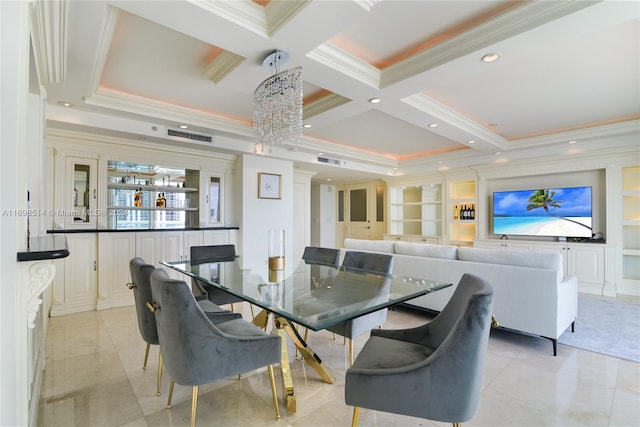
543	212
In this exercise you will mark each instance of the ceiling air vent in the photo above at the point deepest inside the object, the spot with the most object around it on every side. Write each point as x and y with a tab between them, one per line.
328	160
188	136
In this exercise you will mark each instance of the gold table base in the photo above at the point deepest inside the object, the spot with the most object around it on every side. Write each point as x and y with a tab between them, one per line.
310	357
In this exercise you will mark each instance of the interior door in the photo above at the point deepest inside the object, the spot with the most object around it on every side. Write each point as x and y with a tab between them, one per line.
358	221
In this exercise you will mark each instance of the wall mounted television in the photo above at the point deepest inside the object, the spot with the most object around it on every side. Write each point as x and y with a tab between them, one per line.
550	212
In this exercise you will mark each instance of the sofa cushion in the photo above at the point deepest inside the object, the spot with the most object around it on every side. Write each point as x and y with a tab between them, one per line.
426	250
552	261
385	246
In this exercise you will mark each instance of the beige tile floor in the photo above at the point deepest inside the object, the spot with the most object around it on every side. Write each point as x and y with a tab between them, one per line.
94	377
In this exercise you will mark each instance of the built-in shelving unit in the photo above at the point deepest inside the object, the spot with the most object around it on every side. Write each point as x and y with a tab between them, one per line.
416	210
462	195
631	223
179	189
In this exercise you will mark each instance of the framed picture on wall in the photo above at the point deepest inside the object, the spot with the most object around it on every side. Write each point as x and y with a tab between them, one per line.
268	186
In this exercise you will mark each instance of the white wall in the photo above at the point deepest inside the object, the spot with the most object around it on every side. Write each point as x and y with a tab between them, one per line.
260	215
323	215
14	48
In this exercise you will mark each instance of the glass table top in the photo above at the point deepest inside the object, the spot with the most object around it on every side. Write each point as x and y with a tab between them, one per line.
314	295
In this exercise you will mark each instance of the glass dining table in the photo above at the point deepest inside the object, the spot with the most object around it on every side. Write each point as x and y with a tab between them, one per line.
314	296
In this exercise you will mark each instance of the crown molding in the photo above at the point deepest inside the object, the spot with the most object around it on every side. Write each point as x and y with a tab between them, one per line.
164	111
49	35
595	132
345	63
247	14
323	104
447	115
278	13
222	65
106	35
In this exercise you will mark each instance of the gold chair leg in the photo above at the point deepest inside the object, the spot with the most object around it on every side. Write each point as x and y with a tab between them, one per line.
170	394
194	404
273	391
232	308
146	356
457	424
159	373
350	352
356	413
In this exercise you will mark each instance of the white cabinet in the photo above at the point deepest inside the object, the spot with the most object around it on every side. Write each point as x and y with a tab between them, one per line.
216	237
115	250
504	245
75	288
585	261
79	195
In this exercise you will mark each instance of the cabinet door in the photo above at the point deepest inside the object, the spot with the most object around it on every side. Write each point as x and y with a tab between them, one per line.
149	247
80	285
504	246
586	263
216	237
115	251
212	200
173	250
191	238
80	193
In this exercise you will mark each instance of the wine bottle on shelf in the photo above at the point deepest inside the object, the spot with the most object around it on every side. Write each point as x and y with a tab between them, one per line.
463	212
473	212
158	201
163	202
136	199
456	212
140	198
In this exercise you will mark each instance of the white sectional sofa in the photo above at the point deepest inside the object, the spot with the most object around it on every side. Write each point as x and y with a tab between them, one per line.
530	292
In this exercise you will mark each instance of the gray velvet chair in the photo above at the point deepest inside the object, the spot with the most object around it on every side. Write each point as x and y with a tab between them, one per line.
432	371
197	351
351	329
212	253
141	286
319	255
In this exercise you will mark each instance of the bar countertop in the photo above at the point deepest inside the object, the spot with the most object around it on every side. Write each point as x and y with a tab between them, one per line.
45	247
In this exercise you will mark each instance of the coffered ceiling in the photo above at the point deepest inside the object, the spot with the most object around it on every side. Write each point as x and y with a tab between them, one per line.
567	71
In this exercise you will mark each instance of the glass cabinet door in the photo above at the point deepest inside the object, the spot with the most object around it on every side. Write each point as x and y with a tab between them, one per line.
213	191
80	193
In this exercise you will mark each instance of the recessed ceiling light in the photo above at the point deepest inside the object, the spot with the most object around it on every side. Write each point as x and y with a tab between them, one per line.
498	153
183	127
395	169
433	125
573	141
471	141
440	161
490	57
65	104
320	153
375	100
306	125
328	179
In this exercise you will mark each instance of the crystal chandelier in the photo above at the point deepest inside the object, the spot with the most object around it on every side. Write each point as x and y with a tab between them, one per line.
277	115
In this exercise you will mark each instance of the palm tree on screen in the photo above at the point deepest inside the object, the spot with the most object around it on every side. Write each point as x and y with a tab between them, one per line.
544	199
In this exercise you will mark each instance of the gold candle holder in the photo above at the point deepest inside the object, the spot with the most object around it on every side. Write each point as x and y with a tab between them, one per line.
276	255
